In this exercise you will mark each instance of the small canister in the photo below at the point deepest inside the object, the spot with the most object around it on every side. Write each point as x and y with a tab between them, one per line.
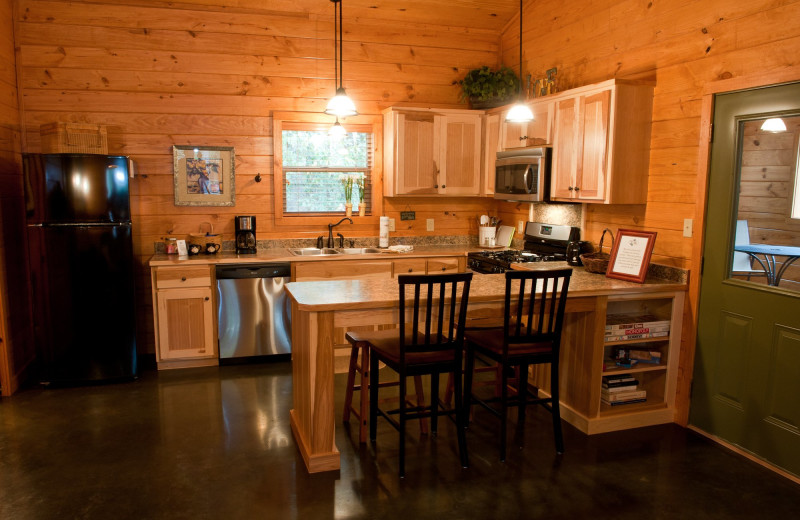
171	245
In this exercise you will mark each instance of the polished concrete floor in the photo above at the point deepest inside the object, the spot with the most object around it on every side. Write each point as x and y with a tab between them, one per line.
216	443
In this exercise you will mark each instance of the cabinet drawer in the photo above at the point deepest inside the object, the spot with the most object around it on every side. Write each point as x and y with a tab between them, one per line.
410	266
443	265
172	277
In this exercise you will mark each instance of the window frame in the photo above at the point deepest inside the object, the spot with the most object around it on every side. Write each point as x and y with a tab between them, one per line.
317	121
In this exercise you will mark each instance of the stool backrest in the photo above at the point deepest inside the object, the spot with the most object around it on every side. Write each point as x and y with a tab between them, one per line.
537	312
437	325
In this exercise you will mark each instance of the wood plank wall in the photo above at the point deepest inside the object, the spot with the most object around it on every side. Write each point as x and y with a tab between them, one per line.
16	347
160	74
681	45
769	166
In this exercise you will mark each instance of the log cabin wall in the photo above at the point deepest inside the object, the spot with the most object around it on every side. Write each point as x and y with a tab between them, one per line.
769	166
681	45
16	347
161	74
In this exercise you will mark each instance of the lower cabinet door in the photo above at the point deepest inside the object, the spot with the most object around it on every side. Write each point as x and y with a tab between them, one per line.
186	324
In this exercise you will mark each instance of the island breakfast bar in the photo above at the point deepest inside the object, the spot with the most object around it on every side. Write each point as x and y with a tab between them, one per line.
322	311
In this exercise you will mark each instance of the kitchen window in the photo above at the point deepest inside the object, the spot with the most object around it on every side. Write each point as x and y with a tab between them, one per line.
316	165
309	167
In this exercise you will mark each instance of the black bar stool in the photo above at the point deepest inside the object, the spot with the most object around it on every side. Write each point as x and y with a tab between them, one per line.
530	335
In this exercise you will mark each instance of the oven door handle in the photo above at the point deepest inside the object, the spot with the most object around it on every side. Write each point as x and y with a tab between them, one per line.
526	179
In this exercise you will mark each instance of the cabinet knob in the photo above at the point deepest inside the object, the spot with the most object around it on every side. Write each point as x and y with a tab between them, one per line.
409	269
523	137
436	186
206	298
444	268
444	186
571	188
183	278
577	188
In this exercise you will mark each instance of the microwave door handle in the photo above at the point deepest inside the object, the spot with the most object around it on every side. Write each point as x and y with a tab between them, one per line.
526	179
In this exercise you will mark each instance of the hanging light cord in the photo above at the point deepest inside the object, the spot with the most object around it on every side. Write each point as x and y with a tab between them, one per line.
519	88
341	31
335	45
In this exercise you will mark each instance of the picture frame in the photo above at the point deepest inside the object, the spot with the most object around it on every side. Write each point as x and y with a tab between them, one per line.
204	175
631	254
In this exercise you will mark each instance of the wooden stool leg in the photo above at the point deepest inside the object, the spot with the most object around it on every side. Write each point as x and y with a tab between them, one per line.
364	408
348	389
448	390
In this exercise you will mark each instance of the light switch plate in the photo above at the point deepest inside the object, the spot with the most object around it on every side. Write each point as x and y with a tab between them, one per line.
391	224
520	226
430	224
687	227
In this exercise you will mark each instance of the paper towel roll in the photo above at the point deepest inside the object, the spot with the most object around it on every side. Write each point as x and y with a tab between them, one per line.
384	232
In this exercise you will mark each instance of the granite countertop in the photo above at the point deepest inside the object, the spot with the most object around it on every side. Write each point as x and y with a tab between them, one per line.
362	294
282	254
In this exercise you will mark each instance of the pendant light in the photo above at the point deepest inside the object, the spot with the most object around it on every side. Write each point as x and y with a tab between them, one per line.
520	112
337	131
340	105
774	124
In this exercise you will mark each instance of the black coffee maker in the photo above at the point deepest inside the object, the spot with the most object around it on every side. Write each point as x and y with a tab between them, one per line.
245	234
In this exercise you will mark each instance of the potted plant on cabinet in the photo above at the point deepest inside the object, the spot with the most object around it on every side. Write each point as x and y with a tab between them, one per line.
487	88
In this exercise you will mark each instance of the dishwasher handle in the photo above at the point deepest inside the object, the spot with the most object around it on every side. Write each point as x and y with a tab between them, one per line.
265	270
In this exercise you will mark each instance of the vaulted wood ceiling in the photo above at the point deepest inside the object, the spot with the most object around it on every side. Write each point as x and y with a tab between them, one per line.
478	14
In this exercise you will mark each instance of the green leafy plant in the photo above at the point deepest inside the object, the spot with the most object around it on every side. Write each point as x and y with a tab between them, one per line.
487	85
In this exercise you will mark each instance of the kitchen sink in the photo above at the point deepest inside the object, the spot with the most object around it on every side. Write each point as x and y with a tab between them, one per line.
315	251
307	251
359	250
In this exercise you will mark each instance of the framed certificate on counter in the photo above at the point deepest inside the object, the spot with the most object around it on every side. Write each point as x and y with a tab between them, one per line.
630	256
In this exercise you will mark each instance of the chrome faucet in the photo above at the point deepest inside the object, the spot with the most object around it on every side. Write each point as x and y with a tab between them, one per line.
330	230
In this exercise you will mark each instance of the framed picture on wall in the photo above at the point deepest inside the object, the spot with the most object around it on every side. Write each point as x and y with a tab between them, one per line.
204	175
630	256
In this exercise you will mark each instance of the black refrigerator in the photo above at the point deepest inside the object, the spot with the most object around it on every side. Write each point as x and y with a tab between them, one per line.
82	271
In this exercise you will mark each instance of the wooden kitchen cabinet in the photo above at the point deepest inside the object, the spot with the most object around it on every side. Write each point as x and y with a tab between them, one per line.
369	268
432	152
183	299
601	143
538	132
585	361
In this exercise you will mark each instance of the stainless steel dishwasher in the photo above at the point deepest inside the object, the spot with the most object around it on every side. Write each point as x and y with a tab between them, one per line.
254	313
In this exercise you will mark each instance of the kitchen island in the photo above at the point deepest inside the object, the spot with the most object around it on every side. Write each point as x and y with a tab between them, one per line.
322	311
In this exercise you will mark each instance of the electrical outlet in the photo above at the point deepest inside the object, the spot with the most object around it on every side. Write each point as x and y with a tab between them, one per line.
520	226
687	227
391	224
430	224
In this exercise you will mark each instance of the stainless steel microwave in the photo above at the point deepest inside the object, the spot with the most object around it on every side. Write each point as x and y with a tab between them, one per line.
523	175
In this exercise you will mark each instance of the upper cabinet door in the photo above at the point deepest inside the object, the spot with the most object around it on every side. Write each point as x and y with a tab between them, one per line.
592	172
460	154
566	148
417	158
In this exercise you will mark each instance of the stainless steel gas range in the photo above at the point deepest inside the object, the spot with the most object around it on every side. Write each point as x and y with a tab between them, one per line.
543	243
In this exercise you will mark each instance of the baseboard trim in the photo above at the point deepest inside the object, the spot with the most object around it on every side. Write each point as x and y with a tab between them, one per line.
748	455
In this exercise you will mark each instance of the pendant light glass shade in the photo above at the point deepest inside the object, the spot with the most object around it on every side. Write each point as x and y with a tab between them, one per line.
337	131
520	112
340	105
774	124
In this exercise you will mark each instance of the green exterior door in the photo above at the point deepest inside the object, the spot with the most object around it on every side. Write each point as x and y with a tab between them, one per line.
746	386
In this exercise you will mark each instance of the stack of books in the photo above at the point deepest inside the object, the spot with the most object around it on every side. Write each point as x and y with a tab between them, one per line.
621	389
622	327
